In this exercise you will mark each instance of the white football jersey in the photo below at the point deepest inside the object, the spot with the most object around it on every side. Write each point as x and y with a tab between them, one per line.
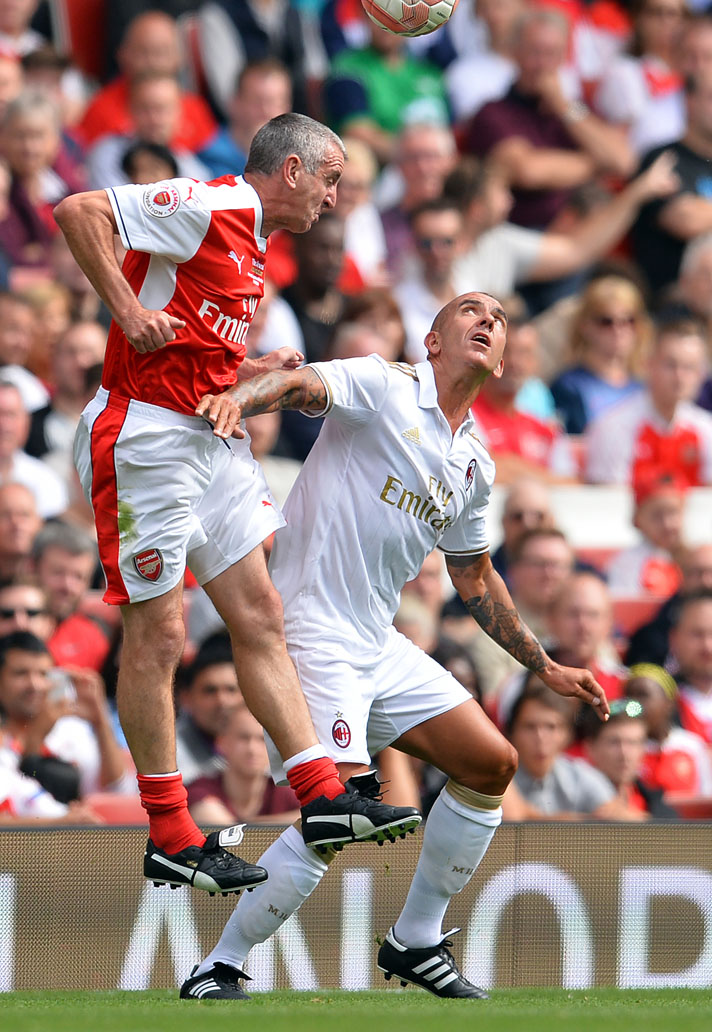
385	484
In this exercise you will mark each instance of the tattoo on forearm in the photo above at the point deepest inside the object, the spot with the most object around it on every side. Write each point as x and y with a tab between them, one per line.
504	625
271	391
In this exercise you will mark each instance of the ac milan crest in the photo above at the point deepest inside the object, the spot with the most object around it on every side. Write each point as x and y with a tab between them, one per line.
149	564
470	474
341	733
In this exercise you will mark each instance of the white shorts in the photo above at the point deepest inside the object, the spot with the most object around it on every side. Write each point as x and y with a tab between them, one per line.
359	707
167	493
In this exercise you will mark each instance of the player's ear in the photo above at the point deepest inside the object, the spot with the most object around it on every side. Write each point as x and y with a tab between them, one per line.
432	342
291	170
498	370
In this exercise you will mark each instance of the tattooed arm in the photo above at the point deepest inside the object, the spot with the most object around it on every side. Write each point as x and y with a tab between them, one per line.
283	389
489	603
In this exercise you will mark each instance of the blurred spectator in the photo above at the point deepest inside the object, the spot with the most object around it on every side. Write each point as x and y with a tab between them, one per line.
659	431
499	256
49	72
274	325
694	56
264	90
552	784
416	621
642	89
693	289
232	32
374	91
150	44
23	798
676	760
17	331
49	714
42	174
429	585
609	332
65	558
480	76
244	790
526	507
429	285
364	239
280	472
546	140
616	748
664	226
691	647
16	35
155	108
145	163
11	80
376	309
650	643
23	607
19	524
16	465
424	154
521	444
85	303
651	567
208	696
52	428
52	305
539	566
314	296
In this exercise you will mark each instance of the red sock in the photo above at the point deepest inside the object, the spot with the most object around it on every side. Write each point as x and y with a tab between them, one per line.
314	778
165	800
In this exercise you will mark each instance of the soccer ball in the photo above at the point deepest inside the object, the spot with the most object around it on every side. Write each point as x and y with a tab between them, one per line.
409	17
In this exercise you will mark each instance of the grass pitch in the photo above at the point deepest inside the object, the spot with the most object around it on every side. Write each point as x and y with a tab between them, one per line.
528	1010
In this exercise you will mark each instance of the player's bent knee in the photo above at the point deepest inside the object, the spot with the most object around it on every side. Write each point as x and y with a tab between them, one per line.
160	643
260	620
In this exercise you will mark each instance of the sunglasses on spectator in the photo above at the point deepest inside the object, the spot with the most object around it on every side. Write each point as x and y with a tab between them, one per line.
612	320
7	614
428	243
517	515
629	707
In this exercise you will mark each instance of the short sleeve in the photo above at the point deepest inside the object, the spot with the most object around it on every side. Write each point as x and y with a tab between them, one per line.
468	534
356	389
594	788
169	218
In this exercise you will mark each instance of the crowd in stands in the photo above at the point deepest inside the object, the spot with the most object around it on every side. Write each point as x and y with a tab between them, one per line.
552	153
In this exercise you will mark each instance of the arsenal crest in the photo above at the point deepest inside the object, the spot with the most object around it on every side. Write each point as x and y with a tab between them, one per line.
149	564
161	201
470	474
341	733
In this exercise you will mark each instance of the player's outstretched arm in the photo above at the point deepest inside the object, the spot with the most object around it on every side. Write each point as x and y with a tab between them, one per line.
489	603
283	389
89	226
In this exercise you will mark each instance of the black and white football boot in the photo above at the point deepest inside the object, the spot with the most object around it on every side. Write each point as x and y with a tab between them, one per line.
432	968
221	982
210	866
357	815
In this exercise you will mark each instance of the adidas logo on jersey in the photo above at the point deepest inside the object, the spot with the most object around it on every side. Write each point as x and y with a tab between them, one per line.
412	435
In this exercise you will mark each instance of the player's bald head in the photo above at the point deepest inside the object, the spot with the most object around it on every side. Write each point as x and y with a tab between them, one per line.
443	317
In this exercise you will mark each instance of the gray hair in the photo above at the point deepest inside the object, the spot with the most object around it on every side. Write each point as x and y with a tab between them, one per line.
30	102
287	134
66	536
539	16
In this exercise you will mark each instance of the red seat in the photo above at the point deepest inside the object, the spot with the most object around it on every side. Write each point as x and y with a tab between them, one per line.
118	809
599	557
631	613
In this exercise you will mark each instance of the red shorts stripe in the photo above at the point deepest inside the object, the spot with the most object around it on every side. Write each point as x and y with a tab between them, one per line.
104	495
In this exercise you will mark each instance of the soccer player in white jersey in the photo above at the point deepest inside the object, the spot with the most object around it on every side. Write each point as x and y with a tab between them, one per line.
396	472
166	492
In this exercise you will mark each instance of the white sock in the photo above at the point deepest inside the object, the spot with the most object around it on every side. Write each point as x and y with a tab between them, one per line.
294	873
455	840
313	752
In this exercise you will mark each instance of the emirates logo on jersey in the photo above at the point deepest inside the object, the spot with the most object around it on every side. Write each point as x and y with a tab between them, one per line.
149	564
470	474
161	201
341	733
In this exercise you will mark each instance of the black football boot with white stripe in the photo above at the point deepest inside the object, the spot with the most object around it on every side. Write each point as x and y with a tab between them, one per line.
221	982
432	968
357	815
210	866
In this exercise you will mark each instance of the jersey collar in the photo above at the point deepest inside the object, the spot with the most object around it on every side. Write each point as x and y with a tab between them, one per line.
428	392
257	206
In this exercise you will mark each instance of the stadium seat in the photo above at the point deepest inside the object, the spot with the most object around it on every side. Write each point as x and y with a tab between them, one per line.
599	556
118	809
631	613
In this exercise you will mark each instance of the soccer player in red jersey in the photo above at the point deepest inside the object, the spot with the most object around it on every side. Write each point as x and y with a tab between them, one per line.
166	491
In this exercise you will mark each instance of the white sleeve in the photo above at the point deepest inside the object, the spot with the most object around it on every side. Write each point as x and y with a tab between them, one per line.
169	218
621	97
607	453
356	389
468	534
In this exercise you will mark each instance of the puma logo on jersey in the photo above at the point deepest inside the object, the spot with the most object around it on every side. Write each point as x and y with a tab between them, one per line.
237	261
412	435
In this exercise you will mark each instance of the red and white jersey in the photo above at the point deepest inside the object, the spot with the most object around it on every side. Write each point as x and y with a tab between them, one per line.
631	440
195	250
681	763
